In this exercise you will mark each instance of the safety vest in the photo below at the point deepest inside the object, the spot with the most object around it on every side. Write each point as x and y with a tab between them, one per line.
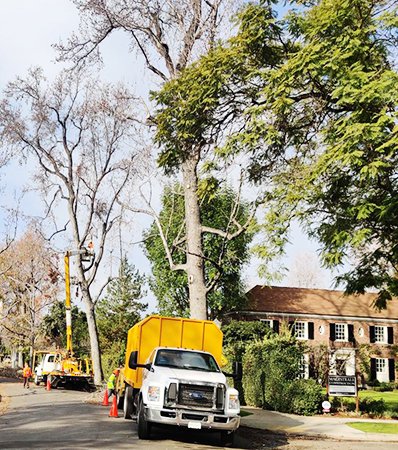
27	372
111	381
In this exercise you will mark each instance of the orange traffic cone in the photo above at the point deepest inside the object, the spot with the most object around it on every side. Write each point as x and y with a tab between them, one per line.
113	412
105	401
48	385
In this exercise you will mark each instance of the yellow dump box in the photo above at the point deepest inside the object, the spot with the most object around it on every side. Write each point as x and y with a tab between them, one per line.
159	331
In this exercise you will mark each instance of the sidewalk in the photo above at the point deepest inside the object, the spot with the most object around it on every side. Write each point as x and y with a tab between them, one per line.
328	426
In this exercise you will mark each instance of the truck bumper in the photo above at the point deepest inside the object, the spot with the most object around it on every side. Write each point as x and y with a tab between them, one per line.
192	419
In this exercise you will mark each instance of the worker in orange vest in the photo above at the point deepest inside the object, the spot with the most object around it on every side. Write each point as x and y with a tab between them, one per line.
27	373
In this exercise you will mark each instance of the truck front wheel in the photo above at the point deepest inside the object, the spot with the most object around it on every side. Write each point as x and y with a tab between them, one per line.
227	438
144	427
128	402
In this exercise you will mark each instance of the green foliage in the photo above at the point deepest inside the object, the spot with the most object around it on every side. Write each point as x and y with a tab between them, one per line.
114	356
238	334
54	327
271	368
334	102
372	406
120	309
236	337
384	387
306	397
223	259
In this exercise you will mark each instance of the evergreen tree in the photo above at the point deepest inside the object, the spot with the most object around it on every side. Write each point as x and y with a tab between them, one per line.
120	309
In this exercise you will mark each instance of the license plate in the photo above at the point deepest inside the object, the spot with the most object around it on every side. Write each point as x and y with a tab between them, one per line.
195	425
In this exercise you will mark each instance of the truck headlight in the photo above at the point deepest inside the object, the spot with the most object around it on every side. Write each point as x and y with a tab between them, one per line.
232	404
233	401
153	393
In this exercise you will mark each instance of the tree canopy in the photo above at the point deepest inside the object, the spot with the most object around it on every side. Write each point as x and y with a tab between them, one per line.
311	101
334	101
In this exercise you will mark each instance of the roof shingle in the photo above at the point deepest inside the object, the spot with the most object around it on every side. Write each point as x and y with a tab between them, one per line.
317	301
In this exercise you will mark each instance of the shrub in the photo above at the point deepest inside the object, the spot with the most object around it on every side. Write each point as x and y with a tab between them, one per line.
384	387
371	406
306	397
342	404
270	367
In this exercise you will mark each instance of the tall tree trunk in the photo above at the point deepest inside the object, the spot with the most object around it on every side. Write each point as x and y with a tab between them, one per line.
93	333
195	262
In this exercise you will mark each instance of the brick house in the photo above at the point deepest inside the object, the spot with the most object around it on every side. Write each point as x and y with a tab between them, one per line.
358	338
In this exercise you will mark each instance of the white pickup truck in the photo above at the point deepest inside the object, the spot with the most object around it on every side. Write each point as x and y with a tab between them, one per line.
49	362
185	388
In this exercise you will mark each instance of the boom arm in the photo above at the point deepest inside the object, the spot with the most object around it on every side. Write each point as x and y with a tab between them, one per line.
68	254
67	306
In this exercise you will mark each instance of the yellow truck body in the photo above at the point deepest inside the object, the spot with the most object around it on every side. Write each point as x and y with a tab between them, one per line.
159	331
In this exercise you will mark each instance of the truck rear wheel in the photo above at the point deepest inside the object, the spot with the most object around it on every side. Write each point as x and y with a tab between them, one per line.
144	427
128	407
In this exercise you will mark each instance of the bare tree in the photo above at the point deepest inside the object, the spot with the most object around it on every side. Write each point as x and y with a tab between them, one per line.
80	134
168	35
28	285
305	271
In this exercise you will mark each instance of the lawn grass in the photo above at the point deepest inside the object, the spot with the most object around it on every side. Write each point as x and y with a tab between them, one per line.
244	413
390	398
389	428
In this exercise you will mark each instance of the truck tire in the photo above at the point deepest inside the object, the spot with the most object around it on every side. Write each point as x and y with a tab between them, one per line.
227	438
128	407
144	427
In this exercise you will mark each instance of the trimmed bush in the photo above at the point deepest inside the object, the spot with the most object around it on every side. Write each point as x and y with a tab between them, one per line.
371	406
384	387
271	369
306	397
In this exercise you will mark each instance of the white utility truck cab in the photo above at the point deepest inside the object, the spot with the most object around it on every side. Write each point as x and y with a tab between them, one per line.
50	361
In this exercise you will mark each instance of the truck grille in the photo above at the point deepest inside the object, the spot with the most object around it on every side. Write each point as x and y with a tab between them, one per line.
196	395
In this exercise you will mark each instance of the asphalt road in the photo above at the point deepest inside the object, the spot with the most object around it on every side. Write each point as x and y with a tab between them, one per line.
62	419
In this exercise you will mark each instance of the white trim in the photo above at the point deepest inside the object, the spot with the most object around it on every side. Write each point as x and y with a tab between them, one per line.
383	376
312	316
271	322
385	335
345	325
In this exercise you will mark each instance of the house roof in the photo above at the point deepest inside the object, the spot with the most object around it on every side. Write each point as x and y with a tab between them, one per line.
321	302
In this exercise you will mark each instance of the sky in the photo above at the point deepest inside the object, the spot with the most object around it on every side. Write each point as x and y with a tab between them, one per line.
28	30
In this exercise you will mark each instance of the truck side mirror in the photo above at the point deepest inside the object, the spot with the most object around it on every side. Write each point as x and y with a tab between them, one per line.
133	360
237	371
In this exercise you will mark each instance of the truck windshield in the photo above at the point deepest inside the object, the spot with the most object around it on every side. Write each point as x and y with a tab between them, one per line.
181	359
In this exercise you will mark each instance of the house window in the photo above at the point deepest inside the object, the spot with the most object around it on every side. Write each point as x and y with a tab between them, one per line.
382	372
300	330
267	322
382	369
304	367
381	365
341	332
380	334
